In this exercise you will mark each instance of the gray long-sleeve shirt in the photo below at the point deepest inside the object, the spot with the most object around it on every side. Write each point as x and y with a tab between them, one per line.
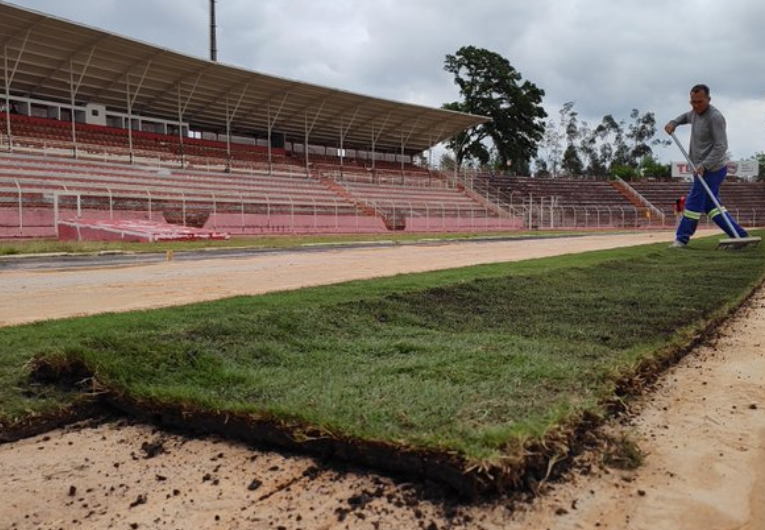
709	141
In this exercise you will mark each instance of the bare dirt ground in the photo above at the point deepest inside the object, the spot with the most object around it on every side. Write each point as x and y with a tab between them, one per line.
702	429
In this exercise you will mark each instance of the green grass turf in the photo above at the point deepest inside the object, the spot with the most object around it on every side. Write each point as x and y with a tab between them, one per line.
469	360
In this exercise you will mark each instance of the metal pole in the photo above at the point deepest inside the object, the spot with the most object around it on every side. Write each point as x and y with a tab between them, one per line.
213	42
7	100
71	93
180	127
129	123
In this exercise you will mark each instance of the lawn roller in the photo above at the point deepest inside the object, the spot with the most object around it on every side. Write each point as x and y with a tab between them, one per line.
735	242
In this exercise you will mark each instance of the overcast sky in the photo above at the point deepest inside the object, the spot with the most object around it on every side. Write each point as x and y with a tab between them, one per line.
607	56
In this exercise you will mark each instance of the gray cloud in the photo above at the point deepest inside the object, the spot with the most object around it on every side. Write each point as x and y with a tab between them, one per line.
608	57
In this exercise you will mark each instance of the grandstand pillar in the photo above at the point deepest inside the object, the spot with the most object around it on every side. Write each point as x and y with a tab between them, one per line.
229	119
269	130
431	137
342	150
271	123
308	134
181	111
228	131
305	153
7	99
72	93
8	114
73	90
343	134
7	107
129	119
305	146
403	143
8	80
180	127
342	153
372	153
130	101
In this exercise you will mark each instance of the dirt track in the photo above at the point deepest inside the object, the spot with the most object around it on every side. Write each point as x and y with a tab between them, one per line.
703	430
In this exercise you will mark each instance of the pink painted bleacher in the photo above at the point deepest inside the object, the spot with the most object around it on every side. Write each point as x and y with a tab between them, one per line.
240	203
132	230
32	129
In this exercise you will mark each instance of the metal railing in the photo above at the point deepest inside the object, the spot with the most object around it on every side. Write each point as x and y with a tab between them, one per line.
28	210
31	206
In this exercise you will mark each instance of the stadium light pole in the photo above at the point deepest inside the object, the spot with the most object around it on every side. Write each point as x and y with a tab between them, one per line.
213	43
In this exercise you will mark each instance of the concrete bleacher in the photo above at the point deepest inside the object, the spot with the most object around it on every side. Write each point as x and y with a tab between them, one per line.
132	231
662	195
563	202
240	203
246	191
89	175
561	191
36	133
273	199
410	197
426	207
745	200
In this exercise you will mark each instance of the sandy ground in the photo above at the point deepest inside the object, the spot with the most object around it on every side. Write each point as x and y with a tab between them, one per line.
702	429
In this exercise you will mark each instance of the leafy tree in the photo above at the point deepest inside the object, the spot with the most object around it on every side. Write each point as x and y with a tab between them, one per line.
541	168
490	86
552	141
569	118
611	145
552	149
614	149
650	167
589	152
641	131
464	145
572	164
447	162
624	171
761	163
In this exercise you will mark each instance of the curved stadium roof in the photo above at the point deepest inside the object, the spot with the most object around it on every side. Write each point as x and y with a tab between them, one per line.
49	58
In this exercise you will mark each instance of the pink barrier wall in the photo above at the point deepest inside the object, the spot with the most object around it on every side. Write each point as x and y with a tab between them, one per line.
447	224
35	222
86	233
289	224
39	222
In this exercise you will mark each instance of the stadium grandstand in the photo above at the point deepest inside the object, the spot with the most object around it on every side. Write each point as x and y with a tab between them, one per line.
107	137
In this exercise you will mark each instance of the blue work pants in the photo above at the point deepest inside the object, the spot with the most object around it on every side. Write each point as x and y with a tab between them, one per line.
699	203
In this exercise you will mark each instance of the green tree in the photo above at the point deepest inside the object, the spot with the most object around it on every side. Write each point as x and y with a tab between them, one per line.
552	140
623	171
552	150
541	168
602	140
490	86
761	163
572	164
650	167
642	131
446	163
589	151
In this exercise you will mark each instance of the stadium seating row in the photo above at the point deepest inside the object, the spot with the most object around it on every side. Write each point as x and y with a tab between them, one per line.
249	202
